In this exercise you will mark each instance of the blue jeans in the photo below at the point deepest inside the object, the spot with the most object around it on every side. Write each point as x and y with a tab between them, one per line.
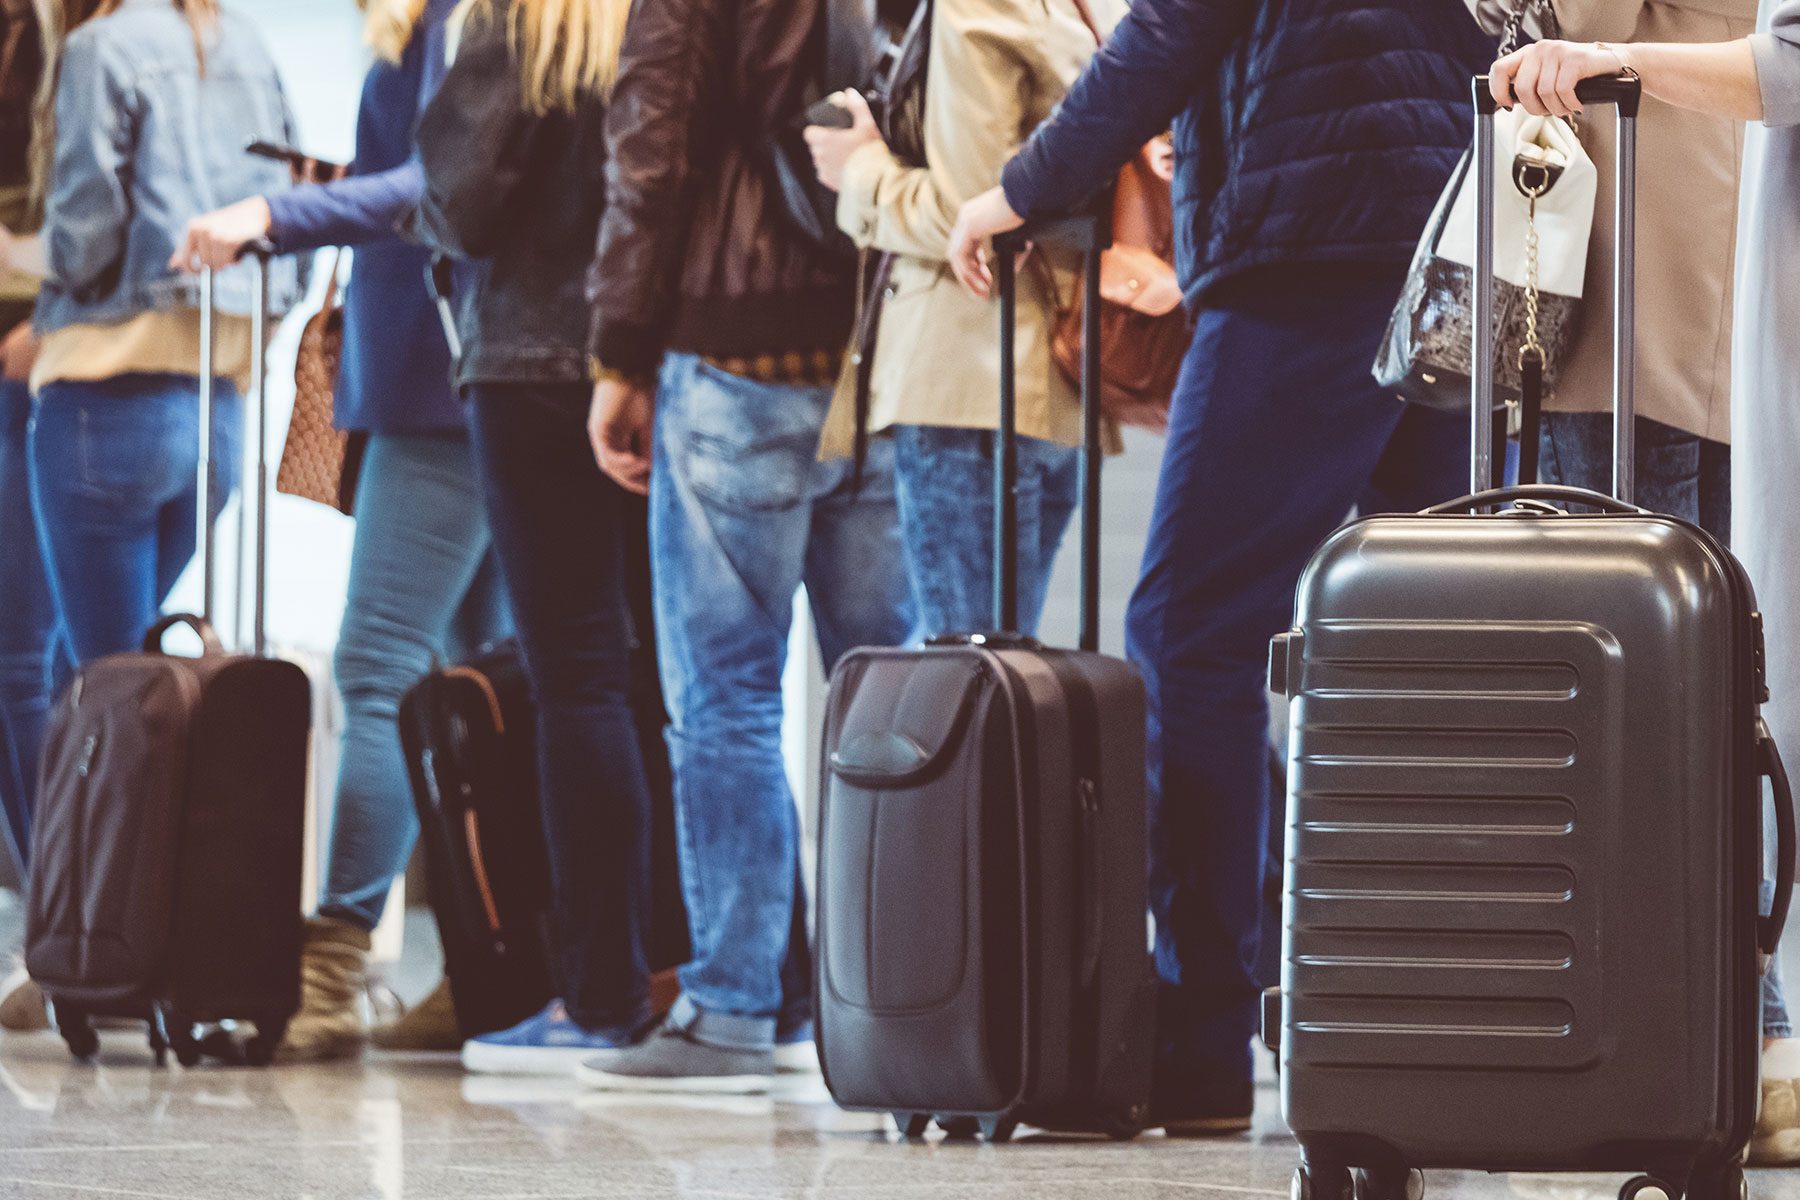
31	649
113	468
741	514
423	588
1276	432
1678	473
561	529
945	481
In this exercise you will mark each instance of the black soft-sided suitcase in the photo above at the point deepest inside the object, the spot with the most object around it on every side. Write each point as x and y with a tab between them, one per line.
1525	828
982	950
470	737
166	857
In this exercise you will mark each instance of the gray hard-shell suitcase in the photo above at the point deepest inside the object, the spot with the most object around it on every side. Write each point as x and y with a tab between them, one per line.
982	950
1524	840
166	855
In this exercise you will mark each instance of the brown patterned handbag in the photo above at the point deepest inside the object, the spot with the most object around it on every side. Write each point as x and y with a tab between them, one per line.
1144	331
319	462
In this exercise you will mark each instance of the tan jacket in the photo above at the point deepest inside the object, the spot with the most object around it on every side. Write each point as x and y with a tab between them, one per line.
997	69
1688	169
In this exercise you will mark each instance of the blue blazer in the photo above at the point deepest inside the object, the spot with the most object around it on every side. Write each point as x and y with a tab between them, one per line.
395	373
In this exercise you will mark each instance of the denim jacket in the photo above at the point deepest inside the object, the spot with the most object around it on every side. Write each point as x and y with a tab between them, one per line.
145	141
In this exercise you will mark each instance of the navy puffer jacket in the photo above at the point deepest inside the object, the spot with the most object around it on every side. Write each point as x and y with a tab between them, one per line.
1305	130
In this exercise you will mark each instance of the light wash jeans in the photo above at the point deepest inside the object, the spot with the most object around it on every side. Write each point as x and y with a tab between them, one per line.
945	481
32	649
741	514
113	487
423	589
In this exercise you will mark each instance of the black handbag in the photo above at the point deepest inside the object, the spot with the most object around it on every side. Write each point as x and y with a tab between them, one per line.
860	48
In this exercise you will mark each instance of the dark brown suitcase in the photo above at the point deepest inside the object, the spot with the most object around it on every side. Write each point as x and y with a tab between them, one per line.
1524	837
166	857
982	943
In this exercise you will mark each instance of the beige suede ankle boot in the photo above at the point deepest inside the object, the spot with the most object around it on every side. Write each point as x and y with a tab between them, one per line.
428	1025
334	981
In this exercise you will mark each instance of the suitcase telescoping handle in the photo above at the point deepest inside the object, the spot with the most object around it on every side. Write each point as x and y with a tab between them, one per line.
1769	766
258	254
1624	91
1089	233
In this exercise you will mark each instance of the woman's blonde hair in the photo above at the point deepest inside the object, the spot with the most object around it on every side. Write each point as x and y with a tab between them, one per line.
566	49
388	25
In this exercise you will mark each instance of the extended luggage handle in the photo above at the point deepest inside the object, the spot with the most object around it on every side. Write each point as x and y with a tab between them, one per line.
209	637
1090	233
1769	766
1625	92
1553	493
258	252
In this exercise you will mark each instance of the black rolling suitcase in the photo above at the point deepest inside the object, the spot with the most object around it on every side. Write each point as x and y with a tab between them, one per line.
166	857
1525	827
982	951
469	735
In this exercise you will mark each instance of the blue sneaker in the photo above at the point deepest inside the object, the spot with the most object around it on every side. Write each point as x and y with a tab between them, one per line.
549	1043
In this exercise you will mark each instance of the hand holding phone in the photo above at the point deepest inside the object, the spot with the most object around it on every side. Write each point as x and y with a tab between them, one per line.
304	167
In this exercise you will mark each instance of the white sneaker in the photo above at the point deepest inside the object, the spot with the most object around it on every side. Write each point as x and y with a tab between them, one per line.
797	1058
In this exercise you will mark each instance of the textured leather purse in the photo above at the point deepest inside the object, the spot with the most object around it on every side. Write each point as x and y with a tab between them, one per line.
1144	332
1542	227
319	462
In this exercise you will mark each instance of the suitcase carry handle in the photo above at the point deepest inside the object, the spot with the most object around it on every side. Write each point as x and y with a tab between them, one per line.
1554	493
209	637
1769	766
1624	91
1090	233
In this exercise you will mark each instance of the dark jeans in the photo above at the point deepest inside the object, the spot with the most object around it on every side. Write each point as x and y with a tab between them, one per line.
1677	473
112	484
32	653
1277	431
559	529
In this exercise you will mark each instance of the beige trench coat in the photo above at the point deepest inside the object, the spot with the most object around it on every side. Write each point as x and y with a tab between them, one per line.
998	68
1688	170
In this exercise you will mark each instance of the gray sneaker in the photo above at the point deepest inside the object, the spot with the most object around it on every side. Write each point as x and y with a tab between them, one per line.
673	1060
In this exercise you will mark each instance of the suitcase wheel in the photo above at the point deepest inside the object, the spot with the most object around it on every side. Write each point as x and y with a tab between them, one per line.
1392	1184
77	1031
998	1129
959	1128
1647	1187
1317	1181
1722	1183
912	1126
1126	1125
259	1051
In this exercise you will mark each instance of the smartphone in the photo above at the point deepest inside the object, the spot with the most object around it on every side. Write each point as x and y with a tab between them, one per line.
828	114
278	152
305	167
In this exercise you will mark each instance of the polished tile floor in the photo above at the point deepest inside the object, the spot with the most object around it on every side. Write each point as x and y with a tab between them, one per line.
415	1127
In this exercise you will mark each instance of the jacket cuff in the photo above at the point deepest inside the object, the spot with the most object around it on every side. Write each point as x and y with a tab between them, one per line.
635	351
863	172
1019	183
281	219
1778	78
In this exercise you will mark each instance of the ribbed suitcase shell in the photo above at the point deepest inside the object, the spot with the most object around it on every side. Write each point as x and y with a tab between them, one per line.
1524	845
982	950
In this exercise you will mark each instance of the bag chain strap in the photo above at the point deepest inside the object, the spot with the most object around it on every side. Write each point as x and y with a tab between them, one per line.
1531	344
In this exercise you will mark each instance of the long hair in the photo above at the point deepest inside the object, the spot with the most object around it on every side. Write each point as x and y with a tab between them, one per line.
388	25
566	49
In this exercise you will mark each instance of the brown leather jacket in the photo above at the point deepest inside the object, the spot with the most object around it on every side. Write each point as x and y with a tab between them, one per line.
693	252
